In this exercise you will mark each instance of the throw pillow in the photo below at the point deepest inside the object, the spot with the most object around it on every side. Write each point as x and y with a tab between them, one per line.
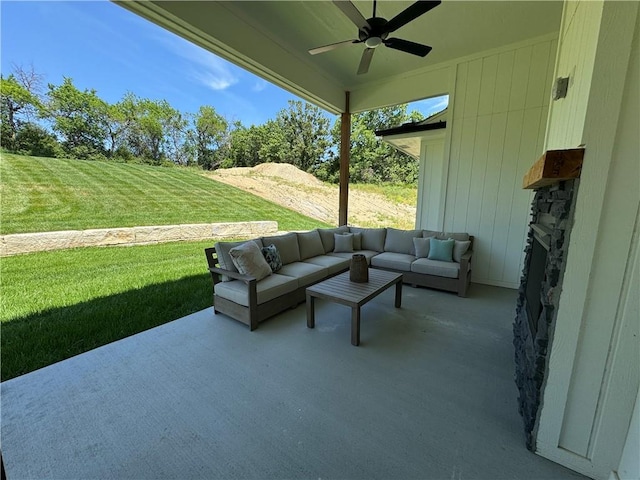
441	250
357	241
459	249
343	242
272	256
248	260
422	247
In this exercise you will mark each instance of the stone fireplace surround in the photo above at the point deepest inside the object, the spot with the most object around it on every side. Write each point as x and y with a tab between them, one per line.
539	294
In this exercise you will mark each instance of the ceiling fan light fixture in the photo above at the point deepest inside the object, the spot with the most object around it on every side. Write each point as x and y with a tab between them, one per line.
373	42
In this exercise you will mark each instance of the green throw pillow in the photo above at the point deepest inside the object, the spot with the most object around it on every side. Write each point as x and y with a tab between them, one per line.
441	250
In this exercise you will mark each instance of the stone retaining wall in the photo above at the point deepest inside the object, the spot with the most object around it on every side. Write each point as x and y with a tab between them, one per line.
37	242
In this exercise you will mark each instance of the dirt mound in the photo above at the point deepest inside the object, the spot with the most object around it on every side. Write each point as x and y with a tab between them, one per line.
286	185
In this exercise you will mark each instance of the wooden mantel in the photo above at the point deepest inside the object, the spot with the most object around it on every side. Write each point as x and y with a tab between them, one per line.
553	167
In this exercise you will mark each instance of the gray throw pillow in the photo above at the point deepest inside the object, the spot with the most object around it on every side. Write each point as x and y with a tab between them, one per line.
421	246
343	242
459	249
326	235
248	260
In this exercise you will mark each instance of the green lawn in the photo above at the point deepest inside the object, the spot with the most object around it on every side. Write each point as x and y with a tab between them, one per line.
54	305
58	304
48	194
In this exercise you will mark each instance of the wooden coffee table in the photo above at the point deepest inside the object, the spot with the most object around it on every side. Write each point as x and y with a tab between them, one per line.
340	289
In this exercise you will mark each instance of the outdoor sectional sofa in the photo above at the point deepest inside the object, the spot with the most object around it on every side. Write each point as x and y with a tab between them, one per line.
310	257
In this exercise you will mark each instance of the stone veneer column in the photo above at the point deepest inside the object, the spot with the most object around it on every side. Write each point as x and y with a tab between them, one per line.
553	207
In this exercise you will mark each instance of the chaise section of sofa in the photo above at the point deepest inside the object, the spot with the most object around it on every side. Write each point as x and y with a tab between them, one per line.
310	257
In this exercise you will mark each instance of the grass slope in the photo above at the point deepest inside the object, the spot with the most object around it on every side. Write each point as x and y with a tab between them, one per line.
48	194
54	305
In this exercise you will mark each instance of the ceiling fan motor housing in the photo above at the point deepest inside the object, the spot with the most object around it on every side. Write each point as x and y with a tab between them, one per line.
373	36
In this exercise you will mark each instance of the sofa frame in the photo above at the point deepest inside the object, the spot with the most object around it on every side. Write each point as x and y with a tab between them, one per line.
255	313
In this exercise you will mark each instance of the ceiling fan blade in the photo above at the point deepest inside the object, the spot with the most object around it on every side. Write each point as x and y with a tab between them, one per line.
350	10
333	46
365	61
410	13
407	46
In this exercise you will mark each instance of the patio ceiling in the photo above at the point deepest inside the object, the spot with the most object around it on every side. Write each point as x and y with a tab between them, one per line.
271	39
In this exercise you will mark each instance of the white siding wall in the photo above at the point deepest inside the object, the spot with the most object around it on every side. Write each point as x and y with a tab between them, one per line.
499	112
593	371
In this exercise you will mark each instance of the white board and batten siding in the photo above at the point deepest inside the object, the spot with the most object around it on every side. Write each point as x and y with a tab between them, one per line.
587	420
499	104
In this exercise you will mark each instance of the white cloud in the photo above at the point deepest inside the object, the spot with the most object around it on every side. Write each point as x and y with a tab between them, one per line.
433	105
259	86
203	66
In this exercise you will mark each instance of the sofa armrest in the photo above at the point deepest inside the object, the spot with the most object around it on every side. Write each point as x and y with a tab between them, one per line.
230	274
465	273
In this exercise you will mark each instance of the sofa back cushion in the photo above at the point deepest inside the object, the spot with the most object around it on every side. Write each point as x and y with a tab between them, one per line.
372	238
326	236
310	244
287	246
401	241
224	259
461	237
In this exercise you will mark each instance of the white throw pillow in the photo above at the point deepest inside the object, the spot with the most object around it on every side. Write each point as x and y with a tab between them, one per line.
249	260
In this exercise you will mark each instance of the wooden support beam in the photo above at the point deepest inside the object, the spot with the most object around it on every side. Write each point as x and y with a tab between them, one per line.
554	167
345	149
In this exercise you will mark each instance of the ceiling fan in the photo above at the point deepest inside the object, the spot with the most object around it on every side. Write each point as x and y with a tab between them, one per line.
375	31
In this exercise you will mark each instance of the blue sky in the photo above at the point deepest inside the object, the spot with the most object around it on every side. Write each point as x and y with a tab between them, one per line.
104	47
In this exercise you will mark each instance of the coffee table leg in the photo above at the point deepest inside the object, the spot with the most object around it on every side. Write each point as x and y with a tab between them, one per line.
355	326
399	294
311	320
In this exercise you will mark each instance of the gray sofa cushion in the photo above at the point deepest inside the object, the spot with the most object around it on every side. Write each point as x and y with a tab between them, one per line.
396	261
369	254
430	233
461	237
306	273
326	235
273	286
287	246
310	244
372	238
333	263
436	267
401	241
224	259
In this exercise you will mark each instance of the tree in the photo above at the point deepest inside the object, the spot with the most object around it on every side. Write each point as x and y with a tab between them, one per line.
372	160
19	102
305	131
211	138
155	129
79	117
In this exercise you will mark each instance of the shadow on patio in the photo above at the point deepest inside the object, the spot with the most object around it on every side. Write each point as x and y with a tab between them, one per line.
428	394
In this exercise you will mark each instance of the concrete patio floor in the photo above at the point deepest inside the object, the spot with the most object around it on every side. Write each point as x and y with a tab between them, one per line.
429	394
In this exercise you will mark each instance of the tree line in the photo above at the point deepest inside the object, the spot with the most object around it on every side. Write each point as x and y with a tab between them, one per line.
64	121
